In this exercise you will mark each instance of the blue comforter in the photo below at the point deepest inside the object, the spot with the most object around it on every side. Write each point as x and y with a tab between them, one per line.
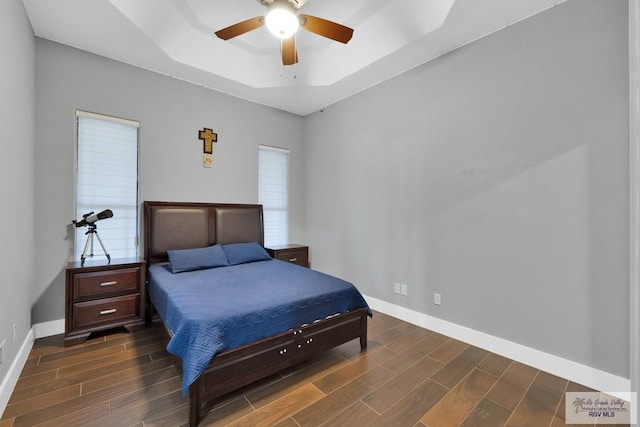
213	310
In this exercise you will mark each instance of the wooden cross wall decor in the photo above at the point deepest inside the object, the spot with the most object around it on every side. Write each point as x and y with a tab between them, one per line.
208	137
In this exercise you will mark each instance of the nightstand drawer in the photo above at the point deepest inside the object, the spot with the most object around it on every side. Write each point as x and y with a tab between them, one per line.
101	283
105	311
295	256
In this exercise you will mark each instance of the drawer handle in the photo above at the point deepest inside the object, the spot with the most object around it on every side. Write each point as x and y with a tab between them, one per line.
110	311
112	283
293	259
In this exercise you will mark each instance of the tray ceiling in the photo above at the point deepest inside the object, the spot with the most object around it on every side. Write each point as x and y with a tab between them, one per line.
175	37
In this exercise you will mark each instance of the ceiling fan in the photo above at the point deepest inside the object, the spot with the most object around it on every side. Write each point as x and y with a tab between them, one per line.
283	22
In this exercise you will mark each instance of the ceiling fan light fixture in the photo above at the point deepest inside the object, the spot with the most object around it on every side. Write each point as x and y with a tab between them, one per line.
282	21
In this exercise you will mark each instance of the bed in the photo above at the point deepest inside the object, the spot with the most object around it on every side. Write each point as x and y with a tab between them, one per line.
248	335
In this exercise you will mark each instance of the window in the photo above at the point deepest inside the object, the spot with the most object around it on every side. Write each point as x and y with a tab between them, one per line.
107	178
273	194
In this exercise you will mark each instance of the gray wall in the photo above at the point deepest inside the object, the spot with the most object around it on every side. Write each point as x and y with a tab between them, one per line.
496	175
16	176
170	113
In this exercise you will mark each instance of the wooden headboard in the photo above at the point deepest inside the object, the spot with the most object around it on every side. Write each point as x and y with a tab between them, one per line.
185	225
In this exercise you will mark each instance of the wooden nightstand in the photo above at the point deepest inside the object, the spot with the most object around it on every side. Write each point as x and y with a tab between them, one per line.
295	254
102	295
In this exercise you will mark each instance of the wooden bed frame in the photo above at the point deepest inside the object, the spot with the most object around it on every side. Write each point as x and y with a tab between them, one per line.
181	225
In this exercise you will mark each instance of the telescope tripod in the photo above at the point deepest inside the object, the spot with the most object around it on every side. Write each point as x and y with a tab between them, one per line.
93	230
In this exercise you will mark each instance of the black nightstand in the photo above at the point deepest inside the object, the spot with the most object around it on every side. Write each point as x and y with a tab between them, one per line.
295	254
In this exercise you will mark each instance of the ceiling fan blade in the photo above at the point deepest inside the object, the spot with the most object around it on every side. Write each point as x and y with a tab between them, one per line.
325	28
289	53
240	28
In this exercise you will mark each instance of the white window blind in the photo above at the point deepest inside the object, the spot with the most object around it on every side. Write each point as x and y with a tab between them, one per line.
107	178
273	193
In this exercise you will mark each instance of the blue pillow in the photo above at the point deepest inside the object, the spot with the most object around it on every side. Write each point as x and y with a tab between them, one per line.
197	259
240	253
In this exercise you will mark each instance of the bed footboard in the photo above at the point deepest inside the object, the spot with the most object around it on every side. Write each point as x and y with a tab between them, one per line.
236	368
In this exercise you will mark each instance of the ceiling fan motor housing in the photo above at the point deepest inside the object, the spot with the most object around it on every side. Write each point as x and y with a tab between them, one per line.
296	4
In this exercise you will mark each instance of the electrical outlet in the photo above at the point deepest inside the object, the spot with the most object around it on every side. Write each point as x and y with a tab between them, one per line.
2	351
403	290
13	334
396	288
436	299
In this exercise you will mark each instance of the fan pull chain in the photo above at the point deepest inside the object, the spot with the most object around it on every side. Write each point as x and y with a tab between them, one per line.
281	64
295	64
295	71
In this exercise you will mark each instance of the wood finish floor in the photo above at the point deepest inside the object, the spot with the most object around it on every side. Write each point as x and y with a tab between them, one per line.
408	376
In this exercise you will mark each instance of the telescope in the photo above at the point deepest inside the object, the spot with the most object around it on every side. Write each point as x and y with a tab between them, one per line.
90	218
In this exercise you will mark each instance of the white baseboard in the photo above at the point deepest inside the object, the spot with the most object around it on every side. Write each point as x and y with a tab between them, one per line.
10	380
47	329
39	330
599	380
